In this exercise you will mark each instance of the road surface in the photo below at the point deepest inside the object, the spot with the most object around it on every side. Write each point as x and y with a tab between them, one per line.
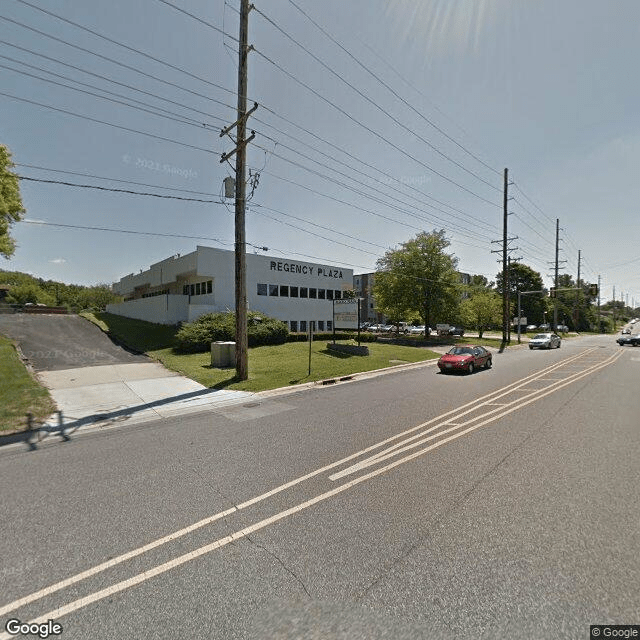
409	505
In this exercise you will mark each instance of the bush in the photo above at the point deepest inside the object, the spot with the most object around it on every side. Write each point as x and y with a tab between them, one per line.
197	336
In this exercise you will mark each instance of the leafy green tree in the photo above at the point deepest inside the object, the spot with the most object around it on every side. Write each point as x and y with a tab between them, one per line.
481	311
419	278
524	278
10	202
29	292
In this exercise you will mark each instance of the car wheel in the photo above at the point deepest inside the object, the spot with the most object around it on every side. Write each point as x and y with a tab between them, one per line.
530	347
471	369
488	365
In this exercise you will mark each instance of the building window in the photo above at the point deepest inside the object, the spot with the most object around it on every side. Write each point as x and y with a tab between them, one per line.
312	292
303	293
293	292
210	286
320	325
321	294
185	289
262	289
371	305
197	288
338	294
273	289
192	289
294	325
284	291
303	325
313	325
329	294
329	325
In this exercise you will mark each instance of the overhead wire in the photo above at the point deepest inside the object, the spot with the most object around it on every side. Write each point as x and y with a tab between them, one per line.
110	124
161	80
374	103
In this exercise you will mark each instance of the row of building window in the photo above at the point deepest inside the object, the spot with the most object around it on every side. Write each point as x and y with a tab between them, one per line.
303	325
287	291
198	288
155	293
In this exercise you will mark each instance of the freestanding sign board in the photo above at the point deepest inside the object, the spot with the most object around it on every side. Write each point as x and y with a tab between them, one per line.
345	314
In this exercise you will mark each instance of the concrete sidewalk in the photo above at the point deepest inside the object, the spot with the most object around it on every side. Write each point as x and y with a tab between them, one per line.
133	392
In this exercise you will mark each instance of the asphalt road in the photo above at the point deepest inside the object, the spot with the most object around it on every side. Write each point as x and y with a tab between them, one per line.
503	505
53	342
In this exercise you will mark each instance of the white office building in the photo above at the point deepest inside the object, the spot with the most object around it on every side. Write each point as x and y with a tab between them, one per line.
182	288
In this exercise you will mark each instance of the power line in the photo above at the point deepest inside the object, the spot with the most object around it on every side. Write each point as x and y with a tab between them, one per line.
364	194
173	116
435	106
129	231
374	102
135	193
192	92
121	64
110	124
116	82
90	175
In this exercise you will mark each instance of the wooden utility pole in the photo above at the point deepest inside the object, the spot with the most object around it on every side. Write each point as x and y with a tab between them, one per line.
555	280
505	272
576	314
599	325
242	366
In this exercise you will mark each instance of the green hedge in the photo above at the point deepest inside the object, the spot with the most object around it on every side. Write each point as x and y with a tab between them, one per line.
327	335
197	336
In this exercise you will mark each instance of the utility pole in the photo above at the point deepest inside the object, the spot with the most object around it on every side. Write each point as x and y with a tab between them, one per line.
242	367
577	310
599	325
506	333
555	300
614	308
505	273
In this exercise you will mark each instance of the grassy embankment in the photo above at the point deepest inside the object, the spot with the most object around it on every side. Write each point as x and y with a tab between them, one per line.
20	392
269	367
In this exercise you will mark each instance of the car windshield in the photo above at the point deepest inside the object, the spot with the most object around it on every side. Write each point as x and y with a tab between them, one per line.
542	336
461	351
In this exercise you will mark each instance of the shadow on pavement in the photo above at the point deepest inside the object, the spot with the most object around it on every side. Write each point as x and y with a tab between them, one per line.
32	437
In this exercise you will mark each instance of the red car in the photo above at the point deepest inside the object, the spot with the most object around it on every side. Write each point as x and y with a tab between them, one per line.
465	358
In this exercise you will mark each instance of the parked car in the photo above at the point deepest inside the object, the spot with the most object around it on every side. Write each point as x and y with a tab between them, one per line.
465	358
544	327
562	328
633	340
532	327
545	341
456	331
419	330
626	330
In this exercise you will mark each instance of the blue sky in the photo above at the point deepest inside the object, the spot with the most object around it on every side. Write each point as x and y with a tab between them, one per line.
410	113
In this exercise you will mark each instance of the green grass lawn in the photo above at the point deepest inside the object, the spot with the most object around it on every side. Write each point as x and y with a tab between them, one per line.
19	391
269	367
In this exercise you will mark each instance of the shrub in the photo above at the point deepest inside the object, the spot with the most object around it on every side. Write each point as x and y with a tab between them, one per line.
212	327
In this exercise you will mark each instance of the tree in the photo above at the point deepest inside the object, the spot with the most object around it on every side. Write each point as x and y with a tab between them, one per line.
10	202
419	278
524	278
482	310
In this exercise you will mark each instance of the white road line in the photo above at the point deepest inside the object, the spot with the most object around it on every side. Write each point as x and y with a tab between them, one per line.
11	606
401	447
56	614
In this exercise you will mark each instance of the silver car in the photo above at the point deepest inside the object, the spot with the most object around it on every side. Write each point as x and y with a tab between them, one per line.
545	341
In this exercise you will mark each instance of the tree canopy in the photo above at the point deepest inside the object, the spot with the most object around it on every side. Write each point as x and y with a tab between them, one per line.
524	278
10	202
418	278
482	310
